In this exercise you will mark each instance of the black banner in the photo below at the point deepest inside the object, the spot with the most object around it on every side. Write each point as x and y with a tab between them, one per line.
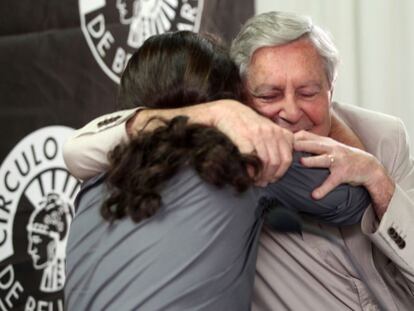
60	64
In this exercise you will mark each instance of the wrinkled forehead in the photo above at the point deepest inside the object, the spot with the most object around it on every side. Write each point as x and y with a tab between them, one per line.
296	60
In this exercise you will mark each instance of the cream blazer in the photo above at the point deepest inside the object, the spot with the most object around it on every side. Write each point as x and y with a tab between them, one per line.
306	272
309	273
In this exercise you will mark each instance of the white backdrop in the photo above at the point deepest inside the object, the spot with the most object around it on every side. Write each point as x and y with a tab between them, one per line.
375	39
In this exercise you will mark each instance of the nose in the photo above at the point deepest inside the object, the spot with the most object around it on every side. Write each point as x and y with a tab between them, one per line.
290	110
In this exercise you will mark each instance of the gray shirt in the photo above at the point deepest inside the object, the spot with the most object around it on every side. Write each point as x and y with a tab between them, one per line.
198	252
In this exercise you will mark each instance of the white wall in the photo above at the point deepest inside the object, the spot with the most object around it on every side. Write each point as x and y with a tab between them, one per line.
375	39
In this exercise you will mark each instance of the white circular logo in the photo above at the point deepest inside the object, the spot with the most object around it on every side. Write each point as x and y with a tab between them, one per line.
36	208
114	29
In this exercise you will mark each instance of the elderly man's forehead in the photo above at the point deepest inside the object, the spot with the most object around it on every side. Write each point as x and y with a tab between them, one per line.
299	58
302	45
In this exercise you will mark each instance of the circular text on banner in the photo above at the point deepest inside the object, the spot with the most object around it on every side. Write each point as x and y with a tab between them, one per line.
114	29
36	208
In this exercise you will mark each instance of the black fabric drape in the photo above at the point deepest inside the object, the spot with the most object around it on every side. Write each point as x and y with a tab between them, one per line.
52	81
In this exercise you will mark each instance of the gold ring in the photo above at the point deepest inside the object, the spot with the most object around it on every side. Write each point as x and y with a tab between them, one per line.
331	159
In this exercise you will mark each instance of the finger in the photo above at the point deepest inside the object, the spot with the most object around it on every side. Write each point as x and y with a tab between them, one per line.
244	146
272	152
251	171
262	153
311	146
274	162
327	186
257	182
305	135
323	160
285	151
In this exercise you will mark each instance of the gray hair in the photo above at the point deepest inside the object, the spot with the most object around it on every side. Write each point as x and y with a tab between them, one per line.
278	28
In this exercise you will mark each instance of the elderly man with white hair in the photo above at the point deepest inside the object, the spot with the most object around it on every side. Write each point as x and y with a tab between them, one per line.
289	66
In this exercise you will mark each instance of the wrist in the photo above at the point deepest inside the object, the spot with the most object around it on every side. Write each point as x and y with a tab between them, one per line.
213	113
206	113
381	188
221	110
137	122
130	124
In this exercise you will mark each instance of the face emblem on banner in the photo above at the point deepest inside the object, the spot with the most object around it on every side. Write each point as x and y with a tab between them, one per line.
114	29
36	209
47	230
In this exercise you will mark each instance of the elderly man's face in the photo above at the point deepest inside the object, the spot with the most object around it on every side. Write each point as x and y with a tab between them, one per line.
288	84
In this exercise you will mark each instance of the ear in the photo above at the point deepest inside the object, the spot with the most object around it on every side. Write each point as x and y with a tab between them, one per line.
331	92
332	88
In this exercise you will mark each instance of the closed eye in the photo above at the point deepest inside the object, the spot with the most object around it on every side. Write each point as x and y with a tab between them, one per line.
270	97
307	95
308	92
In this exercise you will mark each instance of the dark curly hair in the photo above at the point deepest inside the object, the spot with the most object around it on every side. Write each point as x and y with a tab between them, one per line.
168	71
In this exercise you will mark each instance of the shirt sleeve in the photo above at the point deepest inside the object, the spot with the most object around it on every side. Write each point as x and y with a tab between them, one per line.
394	234
86	151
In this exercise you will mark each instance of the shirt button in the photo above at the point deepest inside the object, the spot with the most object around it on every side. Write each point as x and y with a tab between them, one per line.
103	122
392	233
401	244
